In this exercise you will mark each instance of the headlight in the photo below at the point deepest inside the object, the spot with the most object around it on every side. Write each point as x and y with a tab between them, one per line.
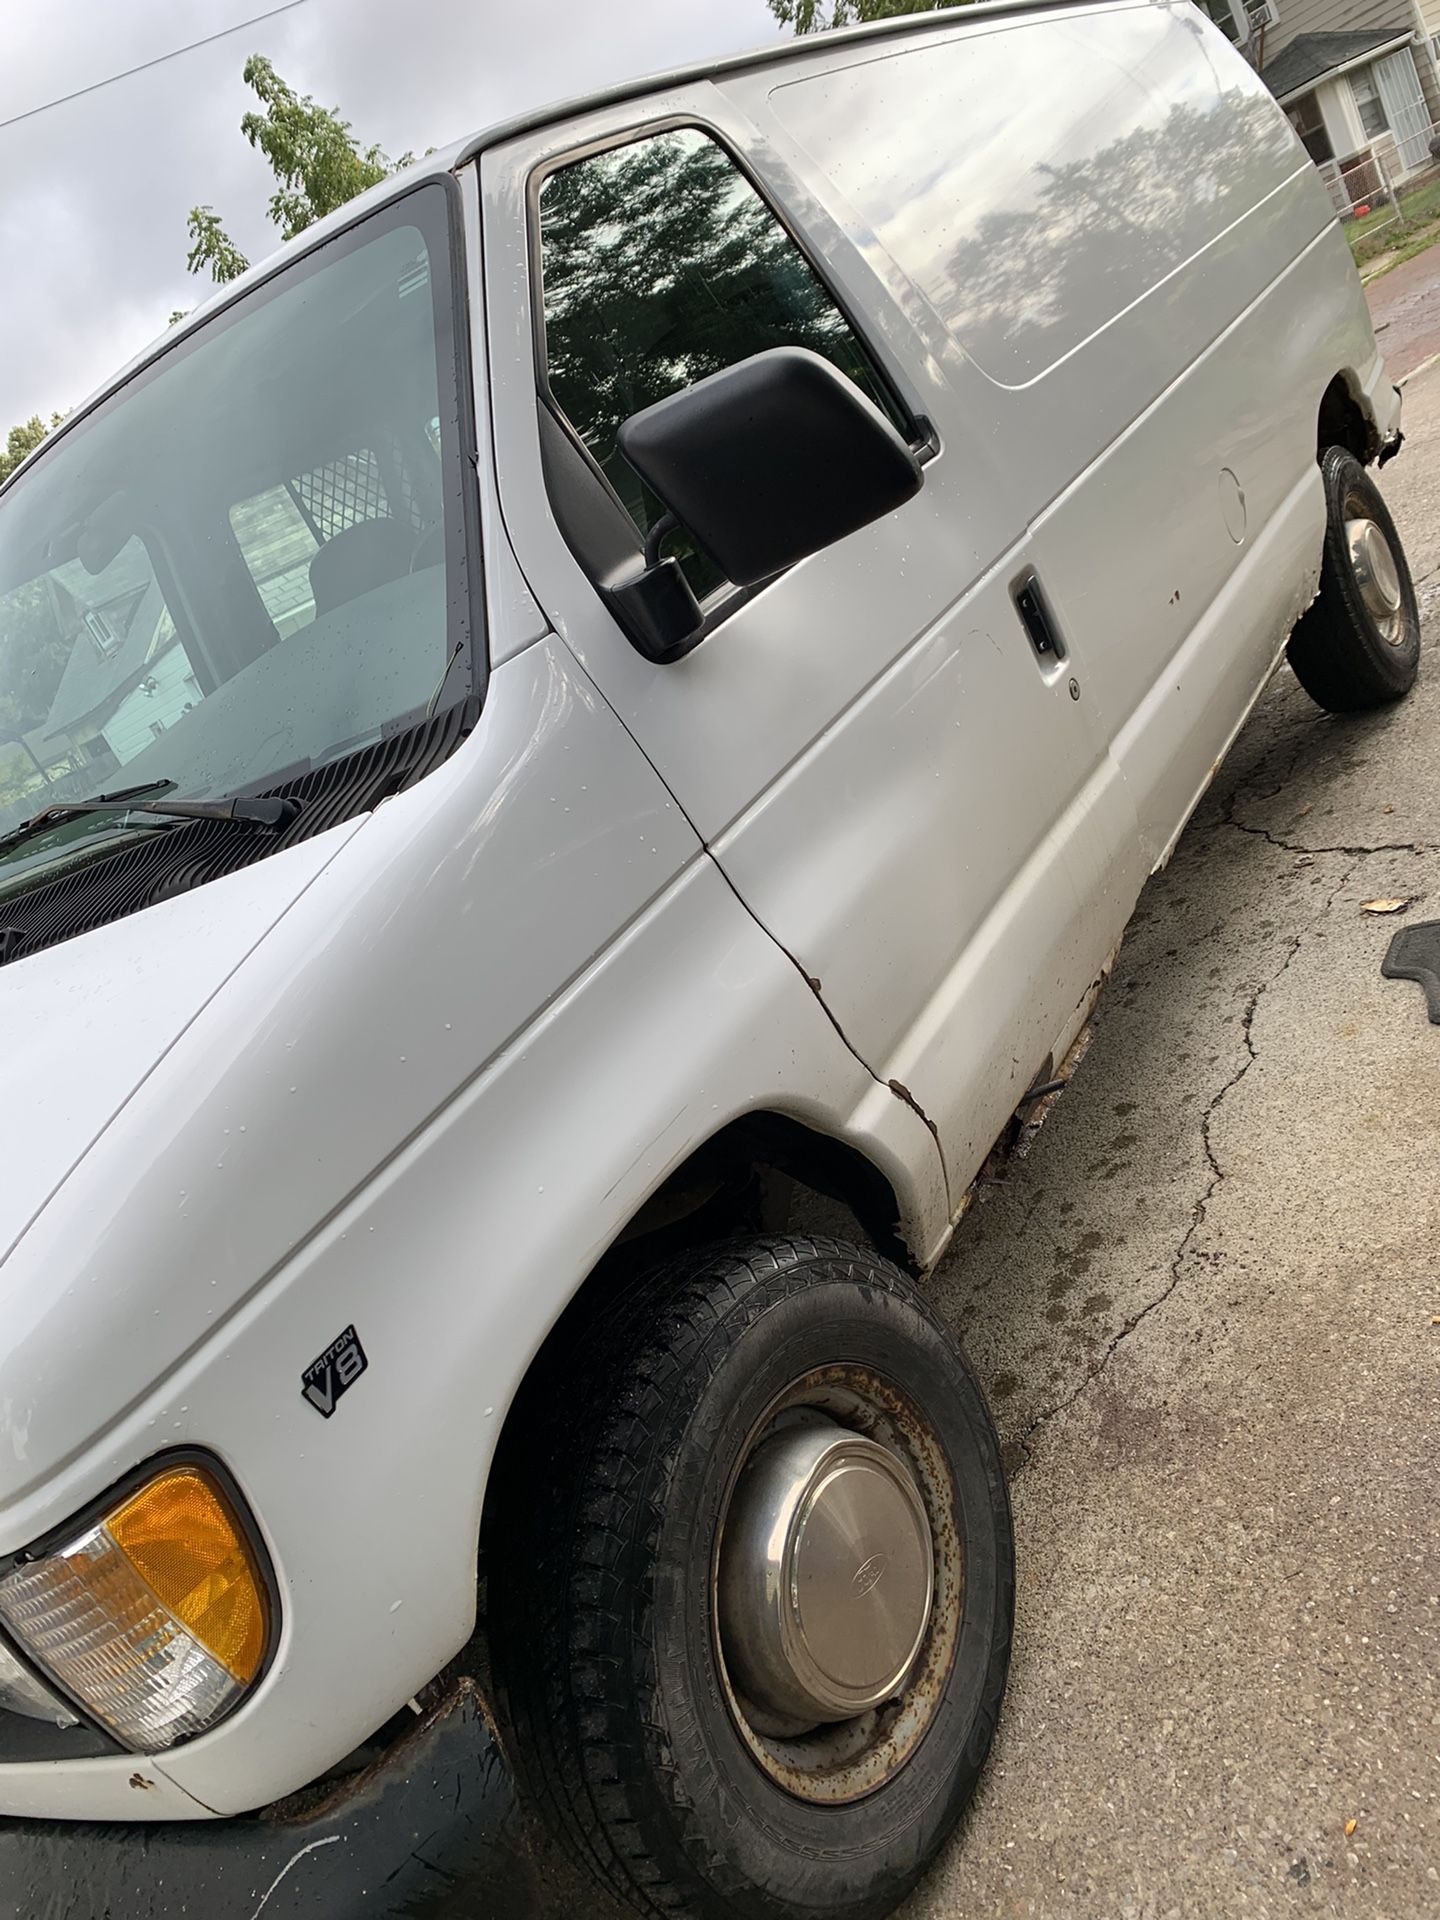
155	1618
21	1692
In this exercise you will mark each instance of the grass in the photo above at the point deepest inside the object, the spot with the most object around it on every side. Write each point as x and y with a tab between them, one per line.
1378	231
1404	250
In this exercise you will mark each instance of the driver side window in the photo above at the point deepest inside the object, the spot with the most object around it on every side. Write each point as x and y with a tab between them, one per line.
662	264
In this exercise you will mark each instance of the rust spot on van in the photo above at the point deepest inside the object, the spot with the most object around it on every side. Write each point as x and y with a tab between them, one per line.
902	1092
139	1780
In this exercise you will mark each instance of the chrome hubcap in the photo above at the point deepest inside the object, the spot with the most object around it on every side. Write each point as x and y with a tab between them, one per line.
826	1578
1377	577
837	1584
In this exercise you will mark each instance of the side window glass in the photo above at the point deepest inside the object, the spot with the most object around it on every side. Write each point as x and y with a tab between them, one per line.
662	264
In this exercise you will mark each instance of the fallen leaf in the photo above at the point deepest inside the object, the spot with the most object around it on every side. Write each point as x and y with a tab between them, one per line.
1384	906
1349	1828
1387	809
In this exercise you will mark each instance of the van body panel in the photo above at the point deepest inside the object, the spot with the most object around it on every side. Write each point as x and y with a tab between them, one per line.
82	1024
460	1264
1218	685
101	1788
714	742
1141	554
513	620
842	735
1113	256
391	990
1039	179
963	717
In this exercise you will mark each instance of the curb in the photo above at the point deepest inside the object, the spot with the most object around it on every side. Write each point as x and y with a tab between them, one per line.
1423	367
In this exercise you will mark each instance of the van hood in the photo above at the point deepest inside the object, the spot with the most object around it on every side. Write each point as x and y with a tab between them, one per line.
82	1024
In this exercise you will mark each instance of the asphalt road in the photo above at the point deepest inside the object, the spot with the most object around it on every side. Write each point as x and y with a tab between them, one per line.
1205	1309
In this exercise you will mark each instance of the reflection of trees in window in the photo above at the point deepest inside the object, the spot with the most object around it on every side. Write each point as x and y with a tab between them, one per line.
661	265
1124	217
33	652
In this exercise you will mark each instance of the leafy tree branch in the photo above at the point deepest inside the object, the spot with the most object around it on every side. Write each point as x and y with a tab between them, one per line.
318	165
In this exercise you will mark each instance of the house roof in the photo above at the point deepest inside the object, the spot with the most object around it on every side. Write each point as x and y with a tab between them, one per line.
1311	56
94	682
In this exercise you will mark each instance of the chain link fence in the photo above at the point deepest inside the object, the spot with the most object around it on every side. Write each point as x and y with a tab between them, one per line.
1389	192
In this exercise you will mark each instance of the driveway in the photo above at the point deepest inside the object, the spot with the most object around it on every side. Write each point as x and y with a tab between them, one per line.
1207	1312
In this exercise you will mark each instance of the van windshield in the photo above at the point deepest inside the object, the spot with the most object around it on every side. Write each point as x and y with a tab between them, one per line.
248	562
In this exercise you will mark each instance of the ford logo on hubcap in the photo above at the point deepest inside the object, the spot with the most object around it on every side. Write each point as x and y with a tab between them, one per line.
869	1574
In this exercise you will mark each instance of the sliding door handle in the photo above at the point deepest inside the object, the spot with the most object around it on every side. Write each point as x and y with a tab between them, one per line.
1037	621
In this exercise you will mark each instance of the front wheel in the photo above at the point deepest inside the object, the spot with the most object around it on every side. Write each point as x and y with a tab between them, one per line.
1358	645
752	1584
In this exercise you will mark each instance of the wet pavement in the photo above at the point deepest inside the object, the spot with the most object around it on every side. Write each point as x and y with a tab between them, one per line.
1405	309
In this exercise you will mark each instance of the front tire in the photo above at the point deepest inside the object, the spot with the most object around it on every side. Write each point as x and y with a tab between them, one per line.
714	1735
1358	645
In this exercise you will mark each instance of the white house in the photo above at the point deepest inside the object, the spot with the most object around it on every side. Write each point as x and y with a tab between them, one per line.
1358	77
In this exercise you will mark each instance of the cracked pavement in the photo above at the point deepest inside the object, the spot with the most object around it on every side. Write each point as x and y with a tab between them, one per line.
1202	1306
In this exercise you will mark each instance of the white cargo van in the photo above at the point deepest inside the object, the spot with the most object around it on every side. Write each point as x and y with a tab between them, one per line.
639	670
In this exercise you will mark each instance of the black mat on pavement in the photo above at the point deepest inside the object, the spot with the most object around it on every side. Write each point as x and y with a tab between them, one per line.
1415	955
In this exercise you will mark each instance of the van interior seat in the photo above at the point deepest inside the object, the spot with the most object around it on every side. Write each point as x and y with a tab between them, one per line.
357	560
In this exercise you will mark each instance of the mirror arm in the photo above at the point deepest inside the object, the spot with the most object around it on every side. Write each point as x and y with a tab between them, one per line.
658	611
656	537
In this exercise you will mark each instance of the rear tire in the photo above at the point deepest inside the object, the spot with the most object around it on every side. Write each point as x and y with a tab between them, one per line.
619	1681
1358	645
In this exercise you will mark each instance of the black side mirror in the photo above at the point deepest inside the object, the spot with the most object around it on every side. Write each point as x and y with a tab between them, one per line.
770	460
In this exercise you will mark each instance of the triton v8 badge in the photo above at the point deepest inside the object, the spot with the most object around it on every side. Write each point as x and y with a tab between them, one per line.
335	1372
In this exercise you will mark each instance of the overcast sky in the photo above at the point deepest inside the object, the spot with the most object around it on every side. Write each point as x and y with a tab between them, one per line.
97	173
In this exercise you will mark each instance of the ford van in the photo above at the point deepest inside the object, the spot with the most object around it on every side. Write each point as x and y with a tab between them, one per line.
630	679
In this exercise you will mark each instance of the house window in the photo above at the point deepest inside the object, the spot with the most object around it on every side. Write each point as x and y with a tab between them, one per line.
1306	119
1225	17
1368	104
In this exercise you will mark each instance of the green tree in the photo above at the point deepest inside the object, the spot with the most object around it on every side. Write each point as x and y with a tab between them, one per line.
816	16
212	247
22	440
318	165
317	162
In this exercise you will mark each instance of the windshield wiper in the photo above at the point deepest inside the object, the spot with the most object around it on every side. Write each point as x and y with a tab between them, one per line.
268	814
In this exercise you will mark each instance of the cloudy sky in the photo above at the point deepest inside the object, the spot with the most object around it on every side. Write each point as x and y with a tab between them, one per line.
109	134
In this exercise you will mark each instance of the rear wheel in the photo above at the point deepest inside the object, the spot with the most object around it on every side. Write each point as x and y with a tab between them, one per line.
751	1588
1358	645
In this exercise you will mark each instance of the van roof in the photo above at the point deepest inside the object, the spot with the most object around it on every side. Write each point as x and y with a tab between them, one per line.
444	160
